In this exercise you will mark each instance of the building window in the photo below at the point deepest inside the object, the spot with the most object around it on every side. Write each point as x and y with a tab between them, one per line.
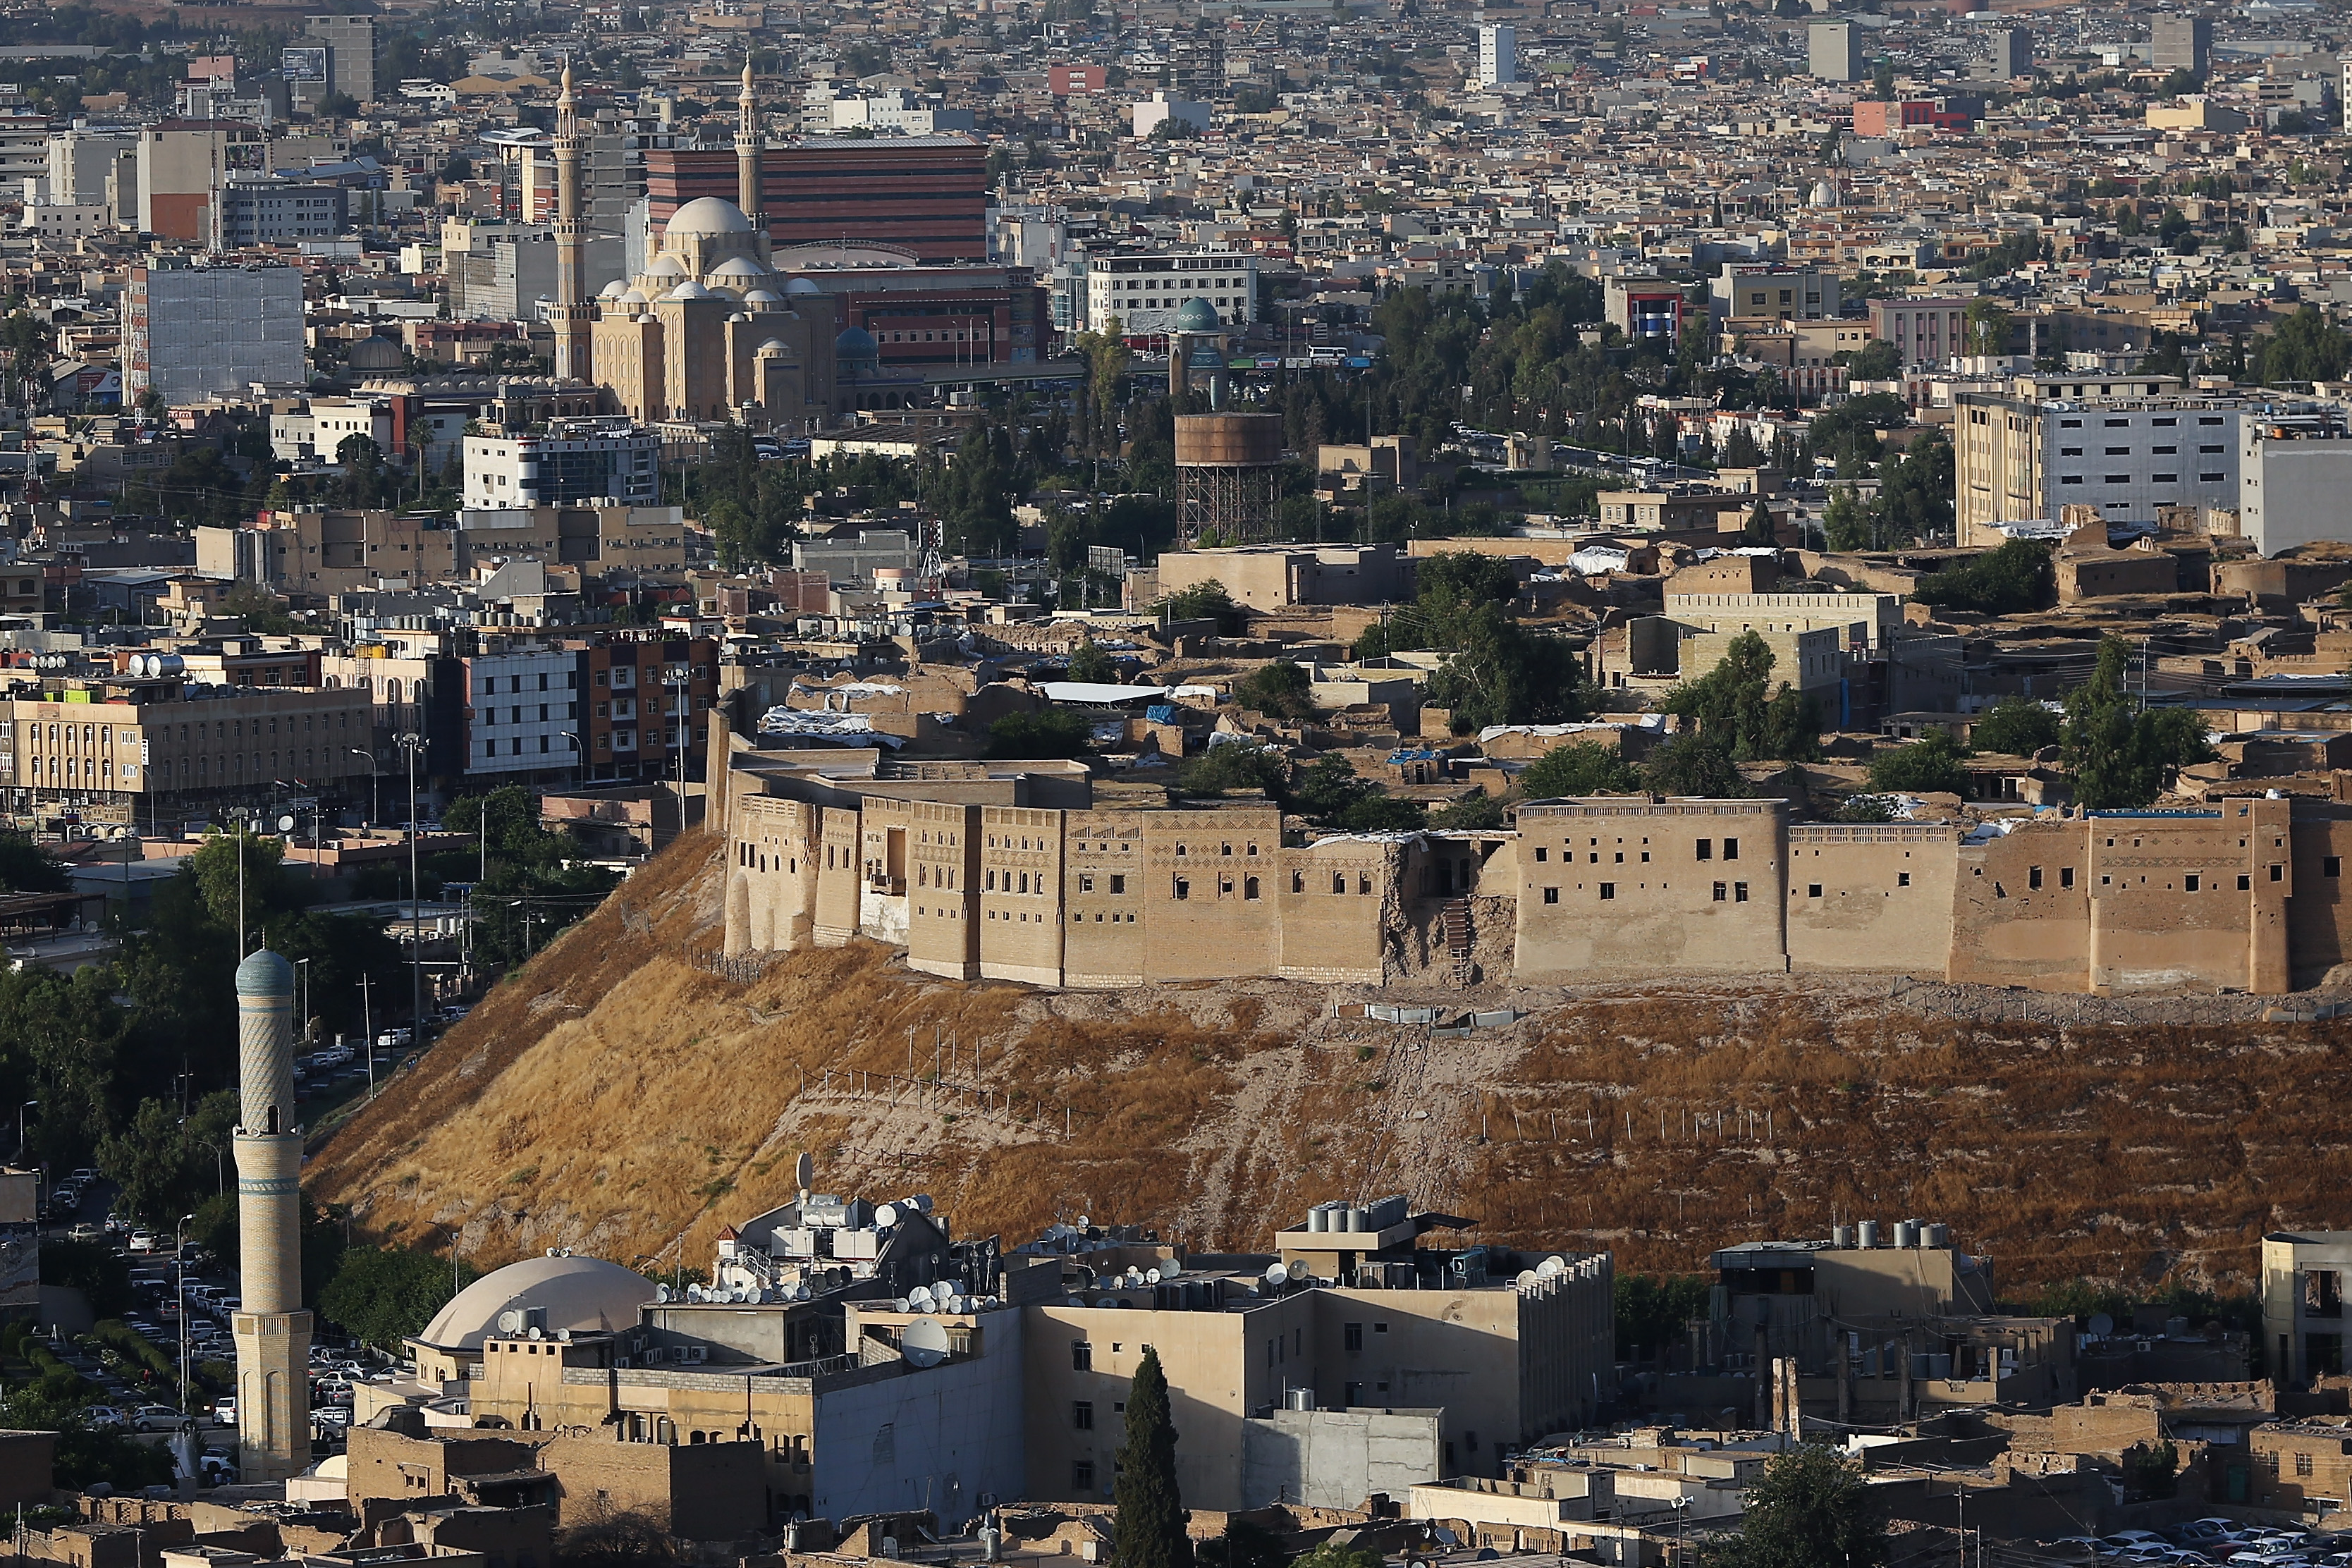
1184	888
1082	1415
1118	884
1706	849
2190	882
1722	892
2033	876
1731	849
2332	866
1353	1334
1608	889
1551	895
1738	892
2245	884
1082	1475
2302	1464
1082	1356
1813	890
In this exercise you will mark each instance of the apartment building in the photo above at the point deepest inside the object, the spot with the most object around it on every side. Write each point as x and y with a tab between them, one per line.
2126	446
522	708
645	702
2304	1279
1771	290
2293	473
1143	289
639	540
190	332
314	552
576	462
160	746
1926	331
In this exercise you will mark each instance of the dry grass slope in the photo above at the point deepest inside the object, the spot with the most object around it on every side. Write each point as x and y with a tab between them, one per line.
612	1098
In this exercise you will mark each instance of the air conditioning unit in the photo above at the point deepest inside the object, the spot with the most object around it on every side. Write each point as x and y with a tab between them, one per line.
653	1355
622	1363
693	1354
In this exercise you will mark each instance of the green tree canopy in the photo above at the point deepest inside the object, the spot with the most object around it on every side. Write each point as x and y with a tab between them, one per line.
1929	765
1693	764
381	1295
1652	1310
2007	580
1048	732
1149	1532
2015	727
1810	1509
1578	768
1203	601
1088	662
1734	706
2123	753
1281	689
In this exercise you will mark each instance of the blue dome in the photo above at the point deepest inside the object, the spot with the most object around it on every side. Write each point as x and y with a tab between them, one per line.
1197	315
265	974
856	352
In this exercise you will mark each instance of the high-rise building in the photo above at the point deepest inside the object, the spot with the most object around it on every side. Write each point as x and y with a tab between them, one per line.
575	461
2012	53
196	331
2127	446
927	195
271	1328
351	54
2180	43
1830	53
1499	55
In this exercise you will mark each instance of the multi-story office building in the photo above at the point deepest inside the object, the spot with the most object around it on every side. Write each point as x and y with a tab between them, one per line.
191	332
2125	445
263	211
522	708
1144	290
2294	472
312	553
575	462
925	195
181	165
2304	1277
1924	332
1769	290
350	53
2180	43
1498	55
602	540
1829	51
645	702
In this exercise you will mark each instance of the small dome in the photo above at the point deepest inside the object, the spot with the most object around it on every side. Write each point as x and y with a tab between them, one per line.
265	974
707	215
612	291
762	297
665	265
802	288
856	346
774	348
739	316
585	1295
375	351
742	267
689	289
1197	315
632	297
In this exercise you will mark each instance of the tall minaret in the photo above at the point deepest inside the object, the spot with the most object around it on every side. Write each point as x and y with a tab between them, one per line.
272	1331
573	357
749	179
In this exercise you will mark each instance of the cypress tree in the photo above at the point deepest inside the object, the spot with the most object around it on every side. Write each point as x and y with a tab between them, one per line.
1150	1528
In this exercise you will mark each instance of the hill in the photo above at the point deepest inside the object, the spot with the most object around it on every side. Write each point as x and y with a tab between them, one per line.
620	1096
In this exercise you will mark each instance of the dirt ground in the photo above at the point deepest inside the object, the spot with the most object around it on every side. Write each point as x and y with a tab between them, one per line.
620	1097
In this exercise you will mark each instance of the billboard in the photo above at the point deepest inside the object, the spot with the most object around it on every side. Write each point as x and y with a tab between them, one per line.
303	64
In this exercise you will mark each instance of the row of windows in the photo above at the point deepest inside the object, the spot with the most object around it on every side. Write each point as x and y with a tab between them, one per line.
1731	892
515	683
2202	479
1701	850
2204	419
2126	451
93	736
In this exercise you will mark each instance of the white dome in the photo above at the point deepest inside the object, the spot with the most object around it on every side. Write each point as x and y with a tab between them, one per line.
612	291
585	1295
707	215
665	265
737	267
762	297
689	289
801	287
776	348
632	297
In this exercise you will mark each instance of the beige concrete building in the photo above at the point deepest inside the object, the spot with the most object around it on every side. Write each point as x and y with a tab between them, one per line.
1276	576
312	553
2305	1275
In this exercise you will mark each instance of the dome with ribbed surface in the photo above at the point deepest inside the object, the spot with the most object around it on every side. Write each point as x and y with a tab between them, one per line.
707	215
585	1295
265	974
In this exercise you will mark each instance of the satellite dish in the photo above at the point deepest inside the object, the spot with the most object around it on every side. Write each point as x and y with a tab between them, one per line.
804	1171
886	1217
924	1342
661	1292
899	1304
800	1293
1528	1278
1277	1274
509	1321
2101	1325
1084	1222
694	1292
1551	1268
286	824
1107	1301
1151	1277
920	1298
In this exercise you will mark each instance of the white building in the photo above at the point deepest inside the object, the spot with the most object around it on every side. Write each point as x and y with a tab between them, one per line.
321	428
522	708
2055	441
2294	472
64	220
1144	290
192	332
897	112
576	461
1499	55
1161	110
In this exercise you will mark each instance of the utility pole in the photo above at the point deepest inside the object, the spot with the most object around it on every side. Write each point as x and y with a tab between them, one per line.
411	742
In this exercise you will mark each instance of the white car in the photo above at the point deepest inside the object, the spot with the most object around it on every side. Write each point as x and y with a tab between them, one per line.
102	1417
224	1410
142	1241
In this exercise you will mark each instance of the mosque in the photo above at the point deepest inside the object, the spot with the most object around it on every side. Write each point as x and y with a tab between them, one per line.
710	329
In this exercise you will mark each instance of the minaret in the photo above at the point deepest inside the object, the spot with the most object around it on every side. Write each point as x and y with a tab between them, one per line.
749	179
272	1331
573	357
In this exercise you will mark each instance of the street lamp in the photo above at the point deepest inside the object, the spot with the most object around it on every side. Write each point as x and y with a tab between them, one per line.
20	1128
374	811
411	742
580	775
180	1285
302	972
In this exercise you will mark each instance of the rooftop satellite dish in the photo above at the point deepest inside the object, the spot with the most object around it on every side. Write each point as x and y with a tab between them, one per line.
1529	1276
661	1292
804	1171
286	824
920	1298
1277	1274
800	1293
2101	1325
899	1304
886	1217
1084	1222
1107	1301
694	1292
1171	1268
924	1342
509	1321
1151	1277
1551	1268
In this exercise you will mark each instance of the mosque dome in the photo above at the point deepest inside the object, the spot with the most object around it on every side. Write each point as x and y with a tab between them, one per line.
1197	315
612	291
856	349
265	974
665	265
707	215
774	348
742	267
375	351
585	1295
762	297
1824	194
632	297
802	288
689	289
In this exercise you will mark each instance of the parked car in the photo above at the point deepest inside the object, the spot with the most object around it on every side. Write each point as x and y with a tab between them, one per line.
224	1410
102	1417
158	1418
142	1241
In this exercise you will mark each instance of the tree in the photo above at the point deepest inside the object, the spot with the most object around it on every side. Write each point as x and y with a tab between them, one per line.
1049	732
1929	765
1877	360
627	1539
1203	601
1332	793
1693	765
1652	1310
27	868
1149	1532
2306	346
1735	706
2007	580
1758	528
1985	325
1237	765
1090	663
1475	810
1810	1510
2123	753
1578	768
2015	727
1845	522
1281	689
381	1295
